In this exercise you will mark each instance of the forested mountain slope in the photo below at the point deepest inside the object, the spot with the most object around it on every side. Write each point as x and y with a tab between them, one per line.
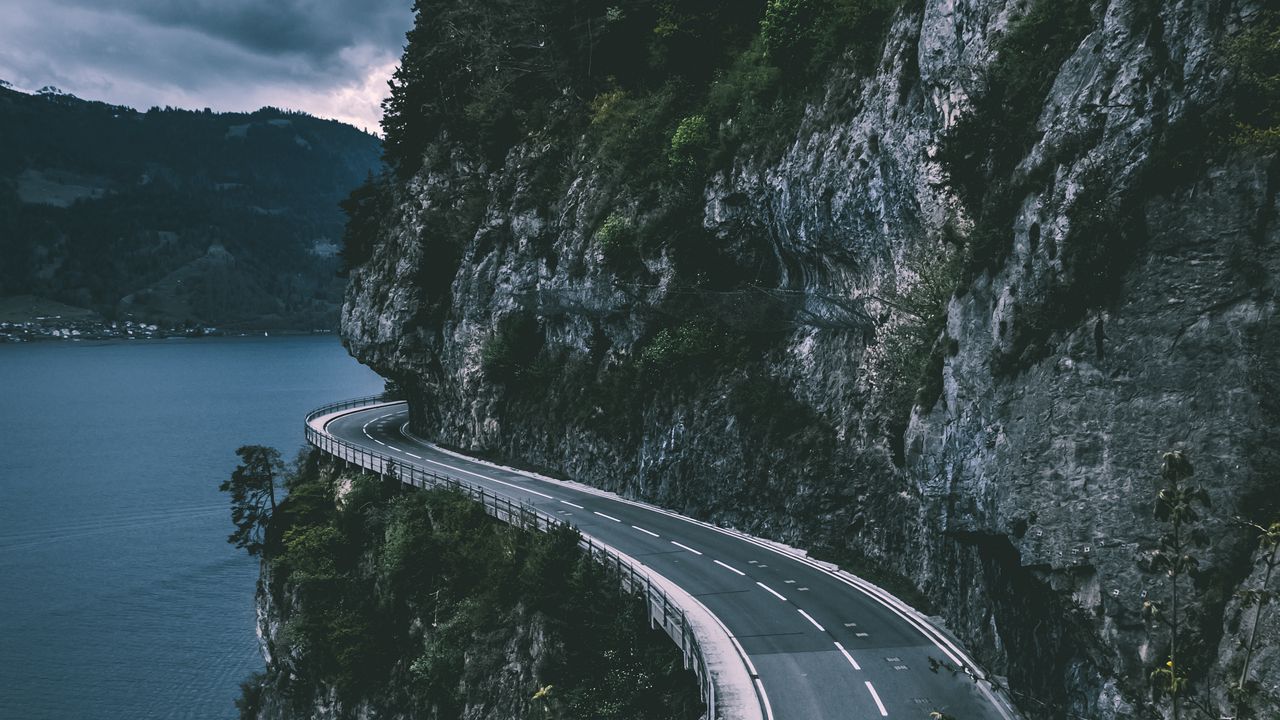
175	216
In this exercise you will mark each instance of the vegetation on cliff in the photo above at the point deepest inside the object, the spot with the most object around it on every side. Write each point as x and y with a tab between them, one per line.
416	604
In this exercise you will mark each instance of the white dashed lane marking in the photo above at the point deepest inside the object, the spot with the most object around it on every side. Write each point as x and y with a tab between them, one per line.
686	547
848	657
771	591
728	567
809	617
646	532
876	696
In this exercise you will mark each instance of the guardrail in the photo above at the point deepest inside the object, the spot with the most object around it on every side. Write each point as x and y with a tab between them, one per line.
636	580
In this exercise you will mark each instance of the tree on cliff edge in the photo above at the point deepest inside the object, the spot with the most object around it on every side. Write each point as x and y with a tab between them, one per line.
253	494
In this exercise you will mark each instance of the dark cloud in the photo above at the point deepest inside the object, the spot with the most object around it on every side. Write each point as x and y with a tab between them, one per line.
317	30
328	57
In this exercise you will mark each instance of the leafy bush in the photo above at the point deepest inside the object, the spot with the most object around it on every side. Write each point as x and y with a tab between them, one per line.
616	239
1255	57
689	143
914	349
683	345
512	347
366	208
804	36
790	29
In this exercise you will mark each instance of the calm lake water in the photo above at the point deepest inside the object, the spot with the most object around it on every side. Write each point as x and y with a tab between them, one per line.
119	596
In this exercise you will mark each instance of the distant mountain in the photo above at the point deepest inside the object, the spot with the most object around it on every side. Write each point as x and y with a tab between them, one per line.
176	216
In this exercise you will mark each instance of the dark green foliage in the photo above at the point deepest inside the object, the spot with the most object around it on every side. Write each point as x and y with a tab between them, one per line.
1178	505
1255	58
226	219
689	143
804	36
253	495
915	348
365	207
618	241
685	346
250	701
512	347
405	599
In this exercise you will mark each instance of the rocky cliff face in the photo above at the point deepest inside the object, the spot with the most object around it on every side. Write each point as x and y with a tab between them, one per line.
1129	310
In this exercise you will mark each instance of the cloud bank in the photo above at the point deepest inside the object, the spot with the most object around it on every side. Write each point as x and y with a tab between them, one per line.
330	58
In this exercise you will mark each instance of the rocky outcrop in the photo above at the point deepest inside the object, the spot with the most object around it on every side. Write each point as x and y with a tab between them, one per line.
1016	500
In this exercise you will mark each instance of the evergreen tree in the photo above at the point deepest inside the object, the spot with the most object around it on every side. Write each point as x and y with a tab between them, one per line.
253	495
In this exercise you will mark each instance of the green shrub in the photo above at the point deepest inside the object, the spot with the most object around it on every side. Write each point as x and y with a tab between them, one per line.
802	37
614	232
915	348
512	346
310	553
790	29
1255	57
683	345
689	143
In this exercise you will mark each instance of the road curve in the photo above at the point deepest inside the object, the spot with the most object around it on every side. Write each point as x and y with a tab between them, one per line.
824	643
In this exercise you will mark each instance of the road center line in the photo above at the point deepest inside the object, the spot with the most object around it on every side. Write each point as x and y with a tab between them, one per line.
486	477
848	657
771	591
686	547
566	502
809	617
876	696
728	567
646	532
607	517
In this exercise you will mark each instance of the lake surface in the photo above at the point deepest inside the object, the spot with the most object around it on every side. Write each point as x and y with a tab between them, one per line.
119	596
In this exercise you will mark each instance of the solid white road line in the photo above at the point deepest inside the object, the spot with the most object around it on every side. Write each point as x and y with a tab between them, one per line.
686	547
876	696
773	592
848	657
566	502
768	709
646	532
809	617
728	567
607	517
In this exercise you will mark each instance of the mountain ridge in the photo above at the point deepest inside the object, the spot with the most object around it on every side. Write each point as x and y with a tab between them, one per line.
119	211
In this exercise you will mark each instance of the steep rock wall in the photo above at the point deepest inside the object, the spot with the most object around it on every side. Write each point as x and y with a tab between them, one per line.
1017	502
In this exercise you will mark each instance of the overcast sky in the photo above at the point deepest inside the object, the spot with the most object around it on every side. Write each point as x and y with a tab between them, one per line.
330	58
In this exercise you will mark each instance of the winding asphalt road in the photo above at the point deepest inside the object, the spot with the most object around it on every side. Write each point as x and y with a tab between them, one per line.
824	644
